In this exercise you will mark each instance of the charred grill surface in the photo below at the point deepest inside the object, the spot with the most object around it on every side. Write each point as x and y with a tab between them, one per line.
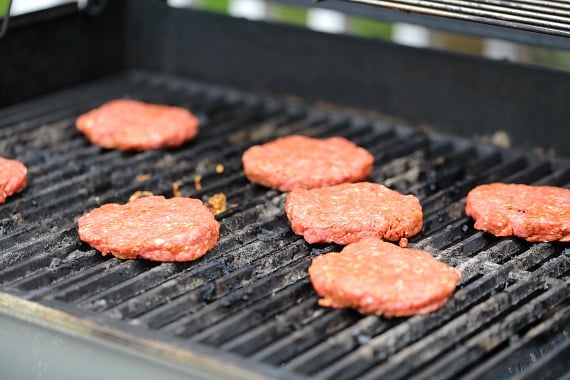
251	296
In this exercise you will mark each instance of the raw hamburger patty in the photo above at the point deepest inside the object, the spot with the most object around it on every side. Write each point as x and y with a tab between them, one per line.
132	125
535	213
304	162
13	177
376	277
153	228
350	212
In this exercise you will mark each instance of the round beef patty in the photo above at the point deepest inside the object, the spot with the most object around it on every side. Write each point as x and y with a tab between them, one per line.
13	177
350	212
295	161
153	228
133	125
376	277
534	213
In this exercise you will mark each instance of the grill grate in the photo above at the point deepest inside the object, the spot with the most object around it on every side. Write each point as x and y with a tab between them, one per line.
250	297
549	17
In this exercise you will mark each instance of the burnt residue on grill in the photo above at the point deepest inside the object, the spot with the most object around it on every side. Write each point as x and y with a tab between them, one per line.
251	296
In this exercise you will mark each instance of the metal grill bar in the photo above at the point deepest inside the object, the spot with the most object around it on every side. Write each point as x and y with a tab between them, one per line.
536	16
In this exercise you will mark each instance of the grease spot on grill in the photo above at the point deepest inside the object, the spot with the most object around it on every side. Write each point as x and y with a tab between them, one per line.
465	228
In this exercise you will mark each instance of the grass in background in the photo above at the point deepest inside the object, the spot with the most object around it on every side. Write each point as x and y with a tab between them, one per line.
559	59
369	28
298	15
289	14
219	6
3	7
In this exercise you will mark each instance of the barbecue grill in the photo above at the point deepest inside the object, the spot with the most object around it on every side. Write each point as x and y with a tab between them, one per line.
247	309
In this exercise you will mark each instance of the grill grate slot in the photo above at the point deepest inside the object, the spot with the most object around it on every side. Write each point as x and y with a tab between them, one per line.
251	296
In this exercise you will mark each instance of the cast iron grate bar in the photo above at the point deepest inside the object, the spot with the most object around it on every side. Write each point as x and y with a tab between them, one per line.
251	296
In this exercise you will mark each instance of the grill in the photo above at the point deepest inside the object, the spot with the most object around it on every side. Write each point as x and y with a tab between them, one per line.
251	296
247	309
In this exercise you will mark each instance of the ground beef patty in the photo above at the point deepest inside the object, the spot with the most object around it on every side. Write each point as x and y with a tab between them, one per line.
534	213
304	162
350	212
132	125
153	228
376	277
13	177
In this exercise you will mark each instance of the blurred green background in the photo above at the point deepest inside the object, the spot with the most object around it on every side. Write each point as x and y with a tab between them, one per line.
3	7
296	15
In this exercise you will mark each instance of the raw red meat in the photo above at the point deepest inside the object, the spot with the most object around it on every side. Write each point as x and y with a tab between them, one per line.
133	125
295	161
534	213
153	228
13	177
376	277
350	212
